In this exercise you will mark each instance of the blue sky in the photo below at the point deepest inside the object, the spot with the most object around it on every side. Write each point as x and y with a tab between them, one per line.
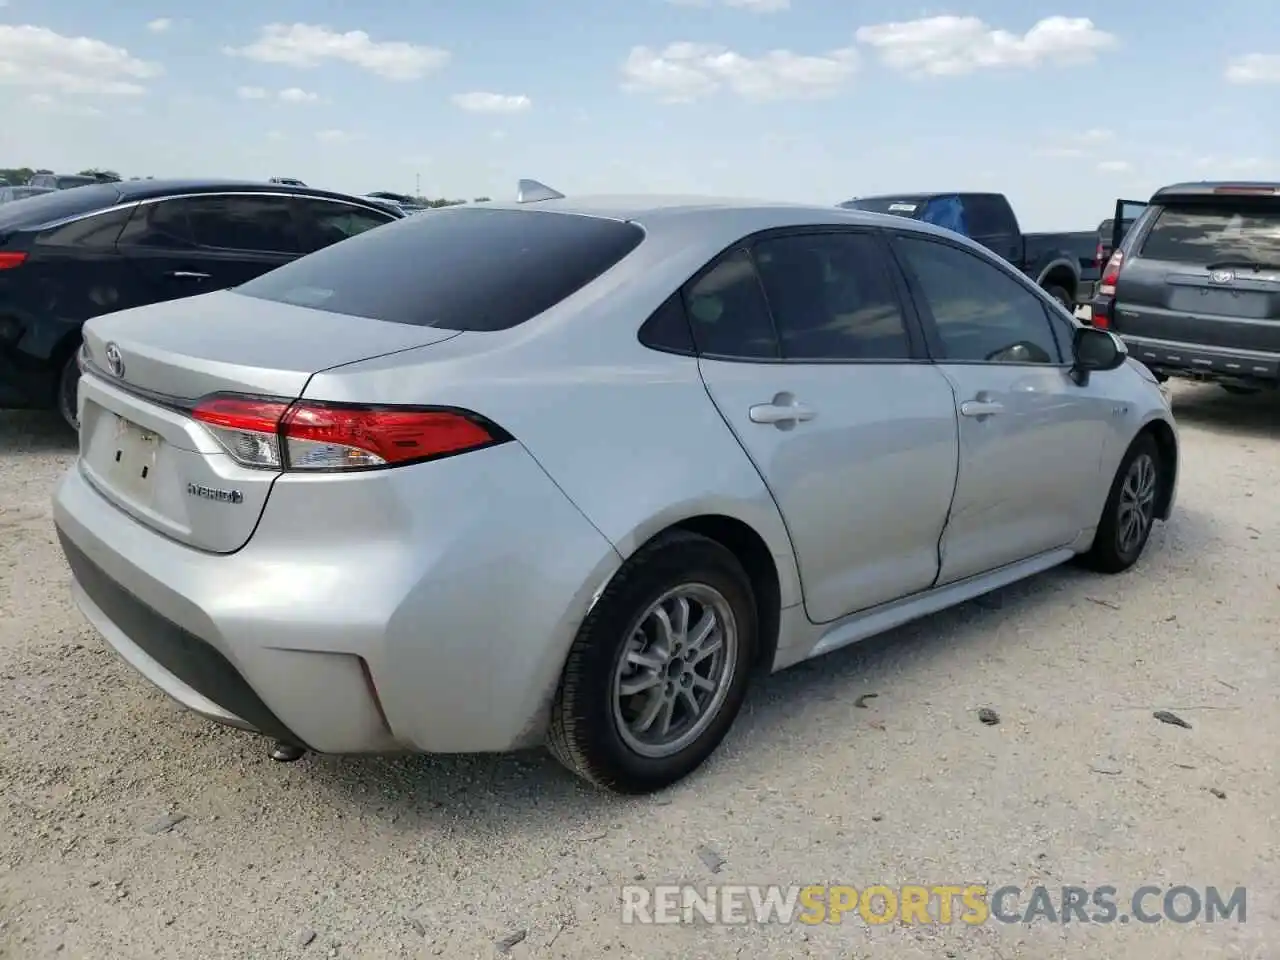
1063	106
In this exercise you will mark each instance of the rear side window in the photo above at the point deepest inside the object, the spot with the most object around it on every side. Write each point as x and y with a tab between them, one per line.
57	205
261	224
1203	234
987	215
460	269
832	297
728	312
97	232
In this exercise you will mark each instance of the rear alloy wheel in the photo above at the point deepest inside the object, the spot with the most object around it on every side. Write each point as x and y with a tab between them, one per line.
69	393
659	669
1130	511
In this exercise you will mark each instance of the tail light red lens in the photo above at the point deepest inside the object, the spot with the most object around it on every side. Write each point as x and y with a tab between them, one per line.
1110	275
276	434
10	260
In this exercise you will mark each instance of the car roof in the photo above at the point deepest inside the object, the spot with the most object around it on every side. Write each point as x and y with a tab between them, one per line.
722	216
131	190
1208	188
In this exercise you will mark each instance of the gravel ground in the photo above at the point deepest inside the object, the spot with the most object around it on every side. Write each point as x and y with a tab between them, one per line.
458	857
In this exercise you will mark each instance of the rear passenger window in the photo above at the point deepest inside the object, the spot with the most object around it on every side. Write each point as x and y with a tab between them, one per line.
728	313
832	297
981	313
161	226
261	224
98	232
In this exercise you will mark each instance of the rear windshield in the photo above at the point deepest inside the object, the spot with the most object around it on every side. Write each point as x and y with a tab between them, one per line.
460	269
1205	234
898	206
65	183
56	204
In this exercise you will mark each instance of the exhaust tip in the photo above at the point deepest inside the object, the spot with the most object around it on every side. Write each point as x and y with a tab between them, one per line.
286	752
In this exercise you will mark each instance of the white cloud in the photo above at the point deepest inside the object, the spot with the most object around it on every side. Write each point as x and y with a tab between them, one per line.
251	93
333	136
480	102
1115	166
1077	145
298	95
1254	68
684	72
755	6
951	46
159	25
51	62
307	45
44	103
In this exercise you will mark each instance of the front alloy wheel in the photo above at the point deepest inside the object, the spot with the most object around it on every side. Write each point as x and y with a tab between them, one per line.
1130	511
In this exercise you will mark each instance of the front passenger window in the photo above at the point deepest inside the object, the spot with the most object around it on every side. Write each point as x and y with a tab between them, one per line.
981	314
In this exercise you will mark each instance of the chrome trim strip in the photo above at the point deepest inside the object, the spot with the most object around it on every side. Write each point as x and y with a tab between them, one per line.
353	202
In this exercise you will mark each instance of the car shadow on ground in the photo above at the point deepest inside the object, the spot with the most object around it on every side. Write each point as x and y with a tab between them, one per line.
24	432
469	792
1209	407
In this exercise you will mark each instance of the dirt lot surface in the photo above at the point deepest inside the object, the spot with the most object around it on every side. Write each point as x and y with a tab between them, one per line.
129	828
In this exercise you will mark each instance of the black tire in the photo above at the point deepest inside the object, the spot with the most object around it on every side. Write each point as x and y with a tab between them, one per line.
68	392
585	732
1113	551
1060	294
1236	390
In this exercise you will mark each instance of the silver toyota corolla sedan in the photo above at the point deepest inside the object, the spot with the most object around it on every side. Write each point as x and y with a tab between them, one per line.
573	472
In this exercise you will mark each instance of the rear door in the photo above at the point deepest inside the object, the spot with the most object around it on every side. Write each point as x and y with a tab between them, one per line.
1206	271
852	433
183	246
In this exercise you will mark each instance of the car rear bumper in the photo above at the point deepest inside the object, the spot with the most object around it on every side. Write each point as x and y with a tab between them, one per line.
432	614
1203	362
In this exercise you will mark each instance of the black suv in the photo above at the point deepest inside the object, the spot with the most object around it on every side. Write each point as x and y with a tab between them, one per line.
69	255
1194	286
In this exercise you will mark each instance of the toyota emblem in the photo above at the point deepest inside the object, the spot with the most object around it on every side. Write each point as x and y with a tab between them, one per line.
115	362
1221	276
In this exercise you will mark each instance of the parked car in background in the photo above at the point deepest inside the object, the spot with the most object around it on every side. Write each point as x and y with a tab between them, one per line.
1062	263
72	254
10	194
1194	287
62	181
575	469
287	181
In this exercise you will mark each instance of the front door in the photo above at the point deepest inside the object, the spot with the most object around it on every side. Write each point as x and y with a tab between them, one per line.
811	359
1031	439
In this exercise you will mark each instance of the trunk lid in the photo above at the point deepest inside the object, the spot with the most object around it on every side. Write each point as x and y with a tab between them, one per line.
1206	274
138	445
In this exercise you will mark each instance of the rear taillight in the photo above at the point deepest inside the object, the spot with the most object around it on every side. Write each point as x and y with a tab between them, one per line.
1097	255
10	260
280	435
1110	275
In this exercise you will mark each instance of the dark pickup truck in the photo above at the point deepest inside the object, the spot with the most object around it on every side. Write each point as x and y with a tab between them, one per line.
1064	264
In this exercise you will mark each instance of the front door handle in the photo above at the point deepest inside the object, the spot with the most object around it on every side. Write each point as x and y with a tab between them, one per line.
783	411
187	275
981	408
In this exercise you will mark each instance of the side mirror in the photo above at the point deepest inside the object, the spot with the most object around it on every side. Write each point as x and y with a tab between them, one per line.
1096	349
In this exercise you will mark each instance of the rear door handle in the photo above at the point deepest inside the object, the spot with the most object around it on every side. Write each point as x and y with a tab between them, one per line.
981	408
187	275
782	411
